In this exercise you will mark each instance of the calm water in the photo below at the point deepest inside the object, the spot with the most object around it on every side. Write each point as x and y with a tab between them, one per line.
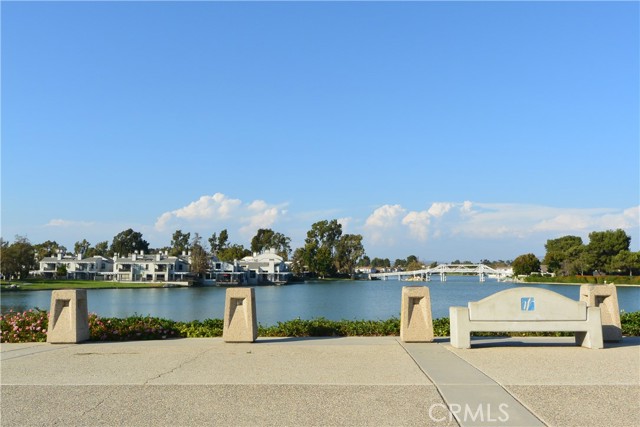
334	300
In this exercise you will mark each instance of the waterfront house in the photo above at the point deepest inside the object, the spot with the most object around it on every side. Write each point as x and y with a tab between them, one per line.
265	268
159	267
224	273
75	267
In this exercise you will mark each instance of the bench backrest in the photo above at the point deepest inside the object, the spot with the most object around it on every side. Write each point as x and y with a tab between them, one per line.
526	304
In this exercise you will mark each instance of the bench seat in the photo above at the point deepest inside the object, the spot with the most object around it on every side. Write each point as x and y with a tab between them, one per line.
526	309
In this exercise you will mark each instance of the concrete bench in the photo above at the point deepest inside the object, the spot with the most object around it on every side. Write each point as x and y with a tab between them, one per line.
526	310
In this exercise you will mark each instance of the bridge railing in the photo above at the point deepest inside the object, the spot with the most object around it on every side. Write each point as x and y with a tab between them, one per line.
481	270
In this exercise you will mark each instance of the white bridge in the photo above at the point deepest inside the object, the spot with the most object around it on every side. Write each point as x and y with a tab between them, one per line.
481	270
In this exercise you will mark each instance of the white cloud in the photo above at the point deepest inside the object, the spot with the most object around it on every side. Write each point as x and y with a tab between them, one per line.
213	207
222	210
444	229
418	223
393	225
559	222
68	223
345	223
264	217
629	218
467	207
380	227
257	205
385	216
438	209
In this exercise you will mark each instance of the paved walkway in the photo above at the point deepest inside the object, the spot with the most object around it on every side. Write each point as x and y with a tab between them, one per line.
318	382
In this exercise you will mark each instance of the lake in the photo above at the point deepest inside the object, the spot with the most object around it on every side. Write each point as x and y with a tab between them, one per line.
334	300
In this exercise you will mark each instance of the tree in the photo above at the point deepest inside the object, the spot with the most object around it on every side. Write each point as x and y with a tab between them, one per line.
17	259
100	249
232	253
562	253
324	263
298	266
47	249
81	247
380	263
604	245
268	239
218	243
179	242
128	241
577	261
365	261
326	233
199	260
626	261
414	265
319	248
61	271
349	250
525	264
400	263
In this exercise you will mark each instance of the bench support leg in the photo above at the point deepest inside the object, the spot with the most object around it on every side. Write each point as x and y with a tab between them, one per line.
592	338
460	333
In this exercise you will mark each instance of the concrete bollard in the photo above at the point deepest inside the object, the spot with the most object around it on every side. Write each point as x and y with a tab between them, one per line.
605	297
68	317
416	324
240	323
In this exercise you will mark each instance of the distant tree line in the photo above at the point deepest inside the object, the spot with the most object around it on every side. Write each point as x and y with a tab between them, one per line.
327	252
607	252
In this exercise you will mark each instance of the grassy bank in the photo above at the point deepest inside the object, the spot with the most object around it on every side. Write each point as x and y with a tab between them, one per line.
47	285
31	326
583	280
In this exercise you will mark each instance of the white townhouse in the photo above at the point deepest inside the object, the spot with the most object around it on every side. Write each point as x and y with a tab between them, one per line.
265	268
77	267
224	273
159	267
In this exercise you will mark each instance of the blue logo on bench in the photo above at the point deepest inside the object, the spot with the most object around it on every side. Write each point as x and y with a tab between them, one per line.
527	304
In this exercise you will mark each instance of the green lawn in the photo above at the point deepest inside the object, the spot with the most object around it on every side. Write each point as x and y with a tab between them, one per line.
40	284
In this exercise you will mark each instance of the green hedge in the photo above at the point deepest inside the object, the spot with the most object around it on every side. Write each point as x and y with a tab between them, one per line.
31	326
583	280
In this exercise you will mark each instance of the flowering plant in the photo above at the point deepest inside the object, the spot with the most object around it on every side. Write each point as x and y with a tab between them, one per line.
131	328
24	326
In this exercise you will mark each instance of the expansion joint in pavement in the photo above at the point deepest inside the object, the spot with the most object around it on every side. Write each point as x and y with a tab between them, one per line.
473	398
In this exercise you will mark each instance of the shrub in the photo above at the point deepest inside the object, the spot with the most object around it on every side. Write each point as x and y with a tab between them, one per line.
630	323
31	326
27	326
201	329
131	328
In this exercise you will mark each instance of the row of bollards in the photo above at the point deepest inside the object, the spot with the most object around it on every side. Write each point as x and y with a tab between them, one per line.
69	317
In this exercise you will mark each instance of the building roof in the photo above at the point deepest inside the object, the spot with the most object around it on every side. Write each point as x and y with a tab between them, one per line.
75	259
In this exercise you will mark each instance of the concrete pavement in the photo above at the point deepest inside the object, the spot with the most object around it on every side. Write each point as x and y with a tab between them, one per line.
321	381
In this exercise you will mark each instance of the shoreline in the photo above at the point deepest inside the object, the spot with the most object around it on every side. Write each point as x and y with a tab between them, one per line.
40	286
624	285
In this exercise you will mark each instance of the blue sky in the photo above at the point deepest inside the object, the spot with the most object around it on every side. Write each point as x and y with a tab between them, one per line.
448	130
